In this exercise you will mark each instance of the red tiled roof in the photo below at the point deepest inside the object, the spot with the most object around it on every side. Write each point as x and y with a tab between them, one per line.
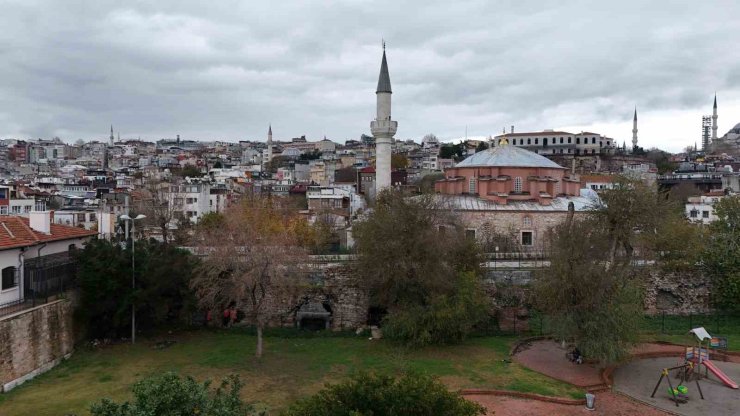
16	232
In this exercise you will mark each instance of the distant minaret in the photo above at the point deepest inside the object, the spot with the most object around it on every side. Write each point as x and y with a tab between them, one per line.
714	119
383	128
634	130
111	135
269	144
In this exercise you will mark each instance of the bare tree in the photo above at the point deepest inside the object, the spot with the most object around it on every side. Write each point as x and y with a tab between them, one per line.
253	260
162	203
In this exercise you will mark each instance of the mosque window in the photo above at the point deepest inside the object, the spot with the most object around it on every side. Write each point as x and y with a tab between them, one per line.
518	185
593	140
558	188
527	238
536	140
527	222
569	140
471	186
578	140
529	141
561	140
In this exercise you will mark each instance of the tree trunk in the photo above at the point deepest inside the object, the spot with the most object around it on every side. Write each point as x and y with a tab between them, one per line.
259	341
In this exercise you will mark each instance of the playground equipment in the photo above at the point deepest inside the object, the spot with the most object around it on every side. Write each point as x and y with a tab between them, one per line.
679	394
699	355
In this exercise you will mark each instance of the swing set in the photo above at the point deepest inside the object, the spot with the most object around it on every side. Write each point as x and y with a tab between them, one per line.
679	393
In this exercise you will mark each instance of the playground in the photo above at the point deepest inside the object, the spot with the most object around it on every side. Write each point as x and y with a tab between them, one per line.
637	379
697	378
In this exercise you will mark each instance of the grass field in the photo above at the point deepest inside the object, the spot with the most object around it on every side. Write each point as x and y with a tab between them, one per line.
294	365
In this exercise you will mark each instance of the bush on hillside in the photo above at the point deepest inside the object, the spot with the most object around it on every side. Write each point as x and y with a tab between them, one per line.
370	394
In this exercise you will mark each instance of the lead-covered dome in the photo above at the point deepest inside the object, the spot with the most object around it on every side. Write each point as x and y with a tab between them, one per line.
505	155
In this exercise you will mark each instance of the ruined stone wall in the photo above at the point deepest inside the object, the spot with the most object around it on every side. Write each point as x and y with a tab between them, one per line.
335	287
677	293
34	341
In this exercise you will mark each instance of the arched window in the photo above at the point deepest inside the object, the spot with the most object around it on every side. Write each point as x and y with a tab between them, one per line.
9	278
518	185
527	222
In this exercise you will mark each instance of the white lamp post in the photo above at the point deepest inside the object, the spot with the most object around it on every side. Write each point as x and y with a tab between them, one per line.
133	270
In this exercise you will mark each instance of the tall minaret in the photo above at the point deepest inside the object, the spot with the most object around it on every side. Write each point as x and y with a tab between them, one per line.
714	119
111	135
383	128
269	144
634	130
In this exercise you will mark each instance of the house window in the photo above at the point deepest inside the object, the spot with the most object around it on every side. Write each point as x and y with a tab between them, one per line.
569	139
544	142
536	140
529	141
16	209
558	188
27	209
4	210
705	214
693	213
518	184
526	238
80	217
561	140
471	186
593	140
470	233
578	140
92	216
527	222
9	278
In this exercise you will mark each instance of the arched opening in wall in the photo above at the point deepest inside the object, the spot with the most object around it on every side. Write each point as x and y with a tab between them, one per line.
313	316
375	315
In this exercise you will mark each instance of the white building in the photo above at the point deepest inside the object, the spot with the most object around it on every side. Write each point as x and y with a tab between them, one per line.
27	245
700	209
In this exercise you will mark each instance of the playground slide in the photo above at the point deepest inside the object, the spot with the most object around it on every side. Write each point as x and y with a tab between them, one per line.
720	375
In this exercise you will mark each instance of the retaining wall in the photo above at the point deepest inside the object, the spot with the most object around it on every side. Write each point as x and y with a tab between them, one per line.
34	341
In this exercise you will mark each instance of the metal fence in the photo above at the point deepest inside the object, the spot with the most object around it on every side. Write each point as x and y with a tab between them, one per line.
716	323
44	279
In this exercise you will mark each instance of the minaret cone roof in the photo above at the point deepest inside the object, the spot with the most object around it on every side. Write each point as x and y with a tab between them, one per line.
384	80
635	113
715	100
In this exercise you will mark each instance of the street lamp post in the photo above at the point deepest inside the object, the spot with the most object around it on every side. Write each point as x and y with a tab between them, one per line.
133	270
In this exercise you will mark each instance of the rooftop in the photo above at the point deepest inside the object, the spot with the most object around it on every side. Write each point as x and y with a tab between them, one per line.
16	232
506	155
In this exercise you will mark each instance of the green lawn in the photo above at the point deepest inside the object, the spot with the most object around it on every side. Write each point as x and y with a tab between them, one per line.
293	366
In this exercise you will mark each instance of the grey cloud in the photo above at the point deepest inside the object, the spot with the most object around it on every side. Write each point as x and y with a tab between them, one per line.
223	70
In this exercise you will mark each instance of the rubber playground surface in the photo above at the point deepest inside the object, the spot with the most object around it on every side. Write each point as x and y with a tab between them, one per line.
637	379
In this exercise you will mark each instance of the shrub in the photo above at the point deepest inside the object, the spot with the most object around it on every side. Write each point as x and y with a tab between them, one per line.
168	394
368	394
446	320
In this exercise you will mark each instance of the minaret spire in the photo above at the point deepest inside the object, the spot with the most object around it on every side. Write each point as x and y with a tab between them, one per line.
268	152
634	130
714	119
111	135
383	128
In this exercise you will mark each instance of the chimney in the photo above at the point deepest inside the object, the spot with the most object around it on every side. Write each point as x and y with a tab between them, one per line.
512	129
40	219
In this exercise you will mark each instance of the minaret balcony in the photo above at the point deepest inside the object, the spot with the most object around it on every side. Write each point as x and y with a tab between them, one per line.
383	128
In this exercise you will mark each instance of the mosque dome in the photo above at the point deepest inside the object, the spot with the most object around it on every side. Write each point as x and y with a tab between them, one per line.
505	155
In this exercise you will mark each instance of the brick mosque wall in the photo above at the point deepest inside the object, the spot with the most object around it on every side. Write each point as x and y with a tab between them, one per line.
34	341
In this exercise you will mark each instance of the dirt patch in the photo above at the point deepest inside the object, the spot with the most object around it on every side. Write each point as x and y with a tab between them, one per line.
610	404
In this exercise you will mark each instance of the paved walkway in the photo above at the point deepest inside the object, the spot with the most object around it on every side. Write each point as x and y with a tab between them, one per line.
547	357
607	404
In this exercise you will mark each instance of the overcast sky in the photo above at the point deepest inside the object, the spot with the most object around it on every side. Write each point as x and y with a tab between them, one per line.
225	69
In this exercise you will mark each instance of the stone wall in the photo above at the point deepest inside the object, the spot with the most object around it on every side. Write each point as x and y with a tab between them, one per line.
34	341
335	288
677	293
